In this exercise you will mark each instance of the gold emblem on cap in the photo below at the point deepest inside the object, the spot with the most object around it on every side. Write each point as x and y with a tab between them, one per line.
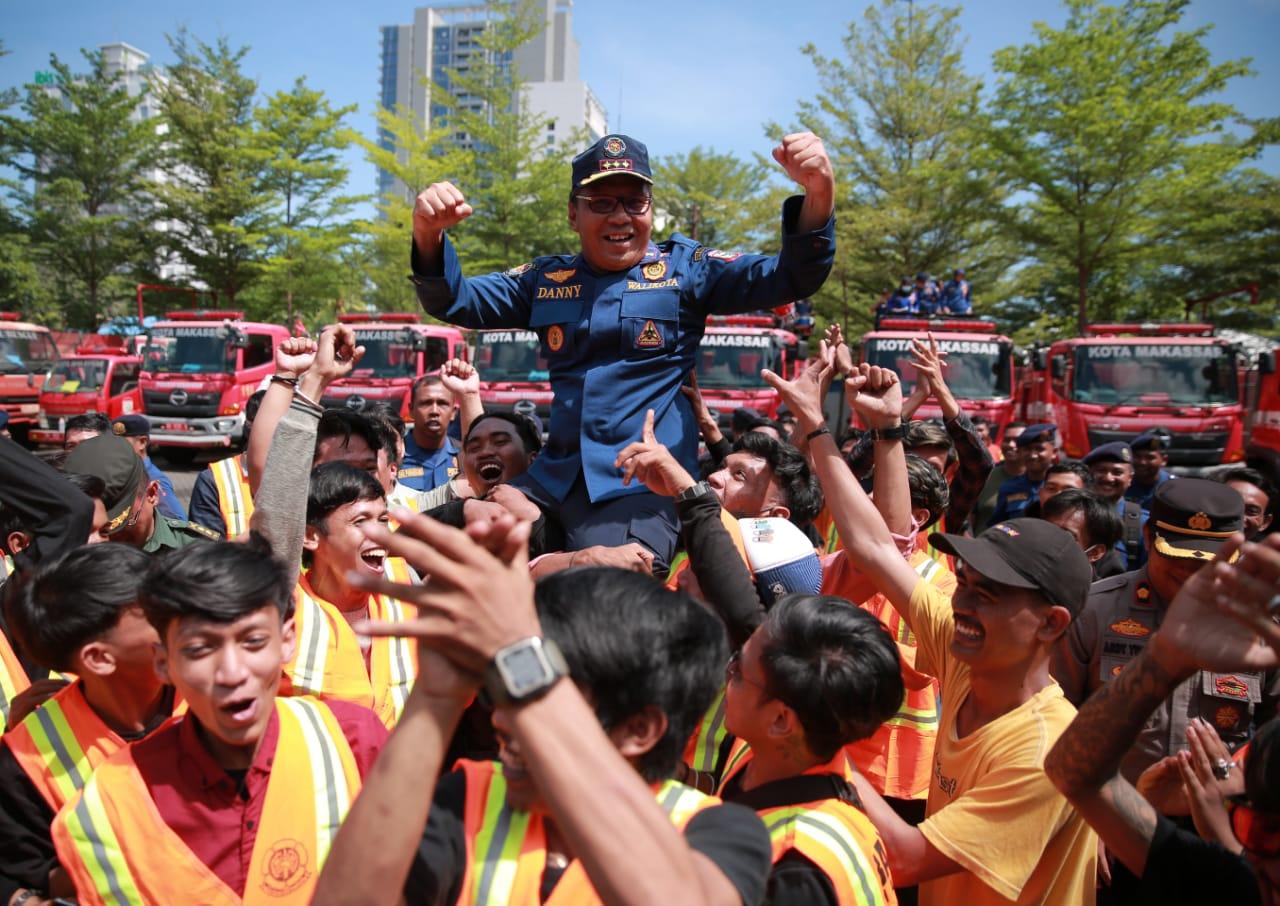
118	429
1199	522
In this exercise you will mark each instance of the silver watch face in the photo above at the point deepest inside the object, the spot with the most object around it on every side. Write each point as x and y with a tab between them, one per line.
524	669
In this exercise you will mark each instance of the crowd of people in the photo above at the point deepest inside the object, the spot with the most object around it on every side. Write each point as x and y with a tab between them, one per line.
623	657
926	296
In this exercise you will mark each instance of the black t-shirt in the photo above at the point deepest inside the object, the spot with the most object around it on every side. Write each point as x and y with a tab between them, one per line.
730	836
1182	868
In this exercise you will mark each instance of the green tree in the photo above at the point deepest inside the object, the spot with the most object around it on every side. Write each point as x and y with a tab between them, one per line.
300	137
903	124
84	204
1110	127
714	198
216	194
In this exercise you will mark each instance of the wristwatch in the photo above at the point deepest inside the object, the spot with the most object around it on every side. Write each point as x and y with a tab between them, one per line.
523	671
897	432
691	493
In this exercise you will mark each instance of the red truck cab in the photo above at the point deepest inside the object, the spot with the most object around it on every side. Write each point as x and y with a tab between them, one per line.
979	365
733	351
1120	380
27	352
198	370
102	376
514	375
398	349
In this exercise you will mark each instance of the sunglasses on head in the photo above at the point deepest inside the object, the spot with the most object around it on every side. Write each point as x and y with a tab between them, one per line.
1257	831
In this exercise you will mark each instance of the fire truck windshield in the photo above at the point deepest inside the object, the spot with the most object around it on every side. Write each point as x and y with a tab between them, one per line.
510	355
387	354
76	376
188	350
975	369
25	351
731	361
1154	373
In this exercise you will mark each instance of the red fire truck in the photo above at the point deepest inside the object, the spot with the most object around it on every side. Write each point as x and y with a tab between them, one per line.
27	352
514	376
733	351
198	369
1119	380
398	349
1262	444
979	363
102	376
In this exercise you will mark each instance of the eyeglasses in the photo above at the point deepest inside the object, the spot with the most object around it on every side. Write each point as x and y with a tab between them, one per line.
607	204
733	671
1258	832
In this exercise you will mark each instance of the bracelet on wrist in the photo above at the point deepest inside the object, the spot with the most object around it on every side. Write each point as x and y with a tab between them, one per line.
895	432
290	382
817	432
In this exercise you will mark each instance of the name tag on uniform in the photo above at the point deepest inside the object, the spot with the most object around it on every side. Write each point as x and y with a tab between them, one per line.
414	472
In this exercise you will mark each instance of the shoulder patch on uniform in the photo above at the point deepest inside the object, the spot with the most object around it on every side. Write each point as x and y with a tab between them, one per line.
519	269
699	253
204	532
721	255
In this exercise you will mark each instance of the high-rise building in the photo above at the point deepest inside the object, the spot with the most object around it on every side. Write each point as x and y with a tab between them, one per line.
444	39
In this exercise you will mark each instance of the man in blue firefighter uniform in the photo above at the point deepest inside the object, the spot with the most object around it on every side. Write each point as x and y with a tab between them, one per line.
620	323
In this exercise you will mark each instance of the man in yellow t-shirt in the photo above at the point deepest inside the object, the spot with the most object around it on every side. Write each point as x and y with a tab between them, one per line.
996	830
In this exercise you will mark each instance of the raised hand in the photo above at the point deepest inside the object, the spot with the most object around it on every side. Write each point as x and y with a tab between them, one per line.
335	356
928	360
460	378
843	354
804	395
805	159
652	464
876	395
440	206
295	356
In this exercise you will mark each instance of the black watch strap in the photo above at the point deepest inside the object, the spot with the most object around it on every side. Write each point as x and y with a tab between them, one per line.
693	492
897	432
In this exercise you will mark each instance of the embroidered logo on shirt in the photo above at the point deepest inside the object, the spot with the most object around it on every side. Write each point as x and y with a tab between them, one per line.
655	271
1230	686
1226	717
561	275
285	869
649	337
519	269
1130	627
726	257
573	291
555	337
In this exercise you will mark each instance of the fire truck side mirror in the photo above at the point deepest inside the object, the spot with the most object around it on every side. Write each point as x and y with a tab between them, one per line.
1058	367
1267	362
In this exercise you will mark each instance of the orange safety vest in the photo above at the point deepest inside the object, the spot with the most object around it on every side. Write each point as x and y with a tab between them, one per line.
115	845
328	662
832	834
60	743
507	849
235	500
675	575
13	678
898	758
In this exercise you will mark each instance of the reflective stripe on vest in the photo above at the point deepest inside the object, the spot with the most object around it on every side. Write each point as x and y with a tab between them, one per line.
114	843
60	743
328	661
703	751
235	501
506	848
830	837
13	679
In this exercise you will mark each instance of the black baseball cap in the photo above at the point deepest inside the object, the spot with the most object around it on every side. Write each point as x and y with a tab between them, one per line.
1116	451
1191	518
131	426
1036	433
1026	553
113	460
613	155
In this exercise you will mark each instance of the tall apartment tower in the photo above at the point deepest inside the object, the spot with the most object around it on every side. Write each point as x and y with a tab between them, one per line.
444	38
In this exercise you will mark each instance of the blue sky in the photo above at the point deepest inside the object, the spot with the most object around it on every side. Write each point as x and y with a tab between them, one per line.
677	74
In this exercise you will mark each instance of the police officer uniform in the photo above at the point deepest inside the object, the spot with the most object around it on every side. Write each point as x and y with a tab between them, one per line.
1016	494
124	478
1130	549
1191	519
619	344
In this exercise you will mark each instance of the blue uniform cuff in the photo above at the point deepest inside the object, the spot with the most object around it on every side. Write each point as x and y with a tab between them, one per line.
791	214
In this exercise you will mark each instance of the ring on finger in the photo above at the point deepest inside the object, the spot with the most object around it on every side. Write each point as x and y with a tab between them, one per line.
1222	768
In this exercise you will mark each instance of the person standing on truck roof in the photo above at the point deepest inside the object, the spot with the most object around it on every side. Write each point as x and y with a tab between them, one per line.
430	455
1037	446
955	295
1150	456
620	322
1112	468
137	431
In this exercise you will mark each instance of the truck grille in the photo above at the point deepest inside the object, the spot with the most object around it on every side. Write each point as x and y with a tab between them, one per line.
358	402
198	405
1190	448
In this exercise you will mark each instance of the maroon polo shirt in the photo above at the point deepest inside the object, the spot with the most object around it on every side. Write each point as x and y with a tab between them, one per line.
213	815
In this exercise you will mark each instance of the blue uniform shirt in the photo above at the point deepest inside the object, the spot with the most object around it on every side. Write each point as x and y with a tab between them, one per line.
169	504
955	296
618	344
1140	549
1016	494
1143	494
426	470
